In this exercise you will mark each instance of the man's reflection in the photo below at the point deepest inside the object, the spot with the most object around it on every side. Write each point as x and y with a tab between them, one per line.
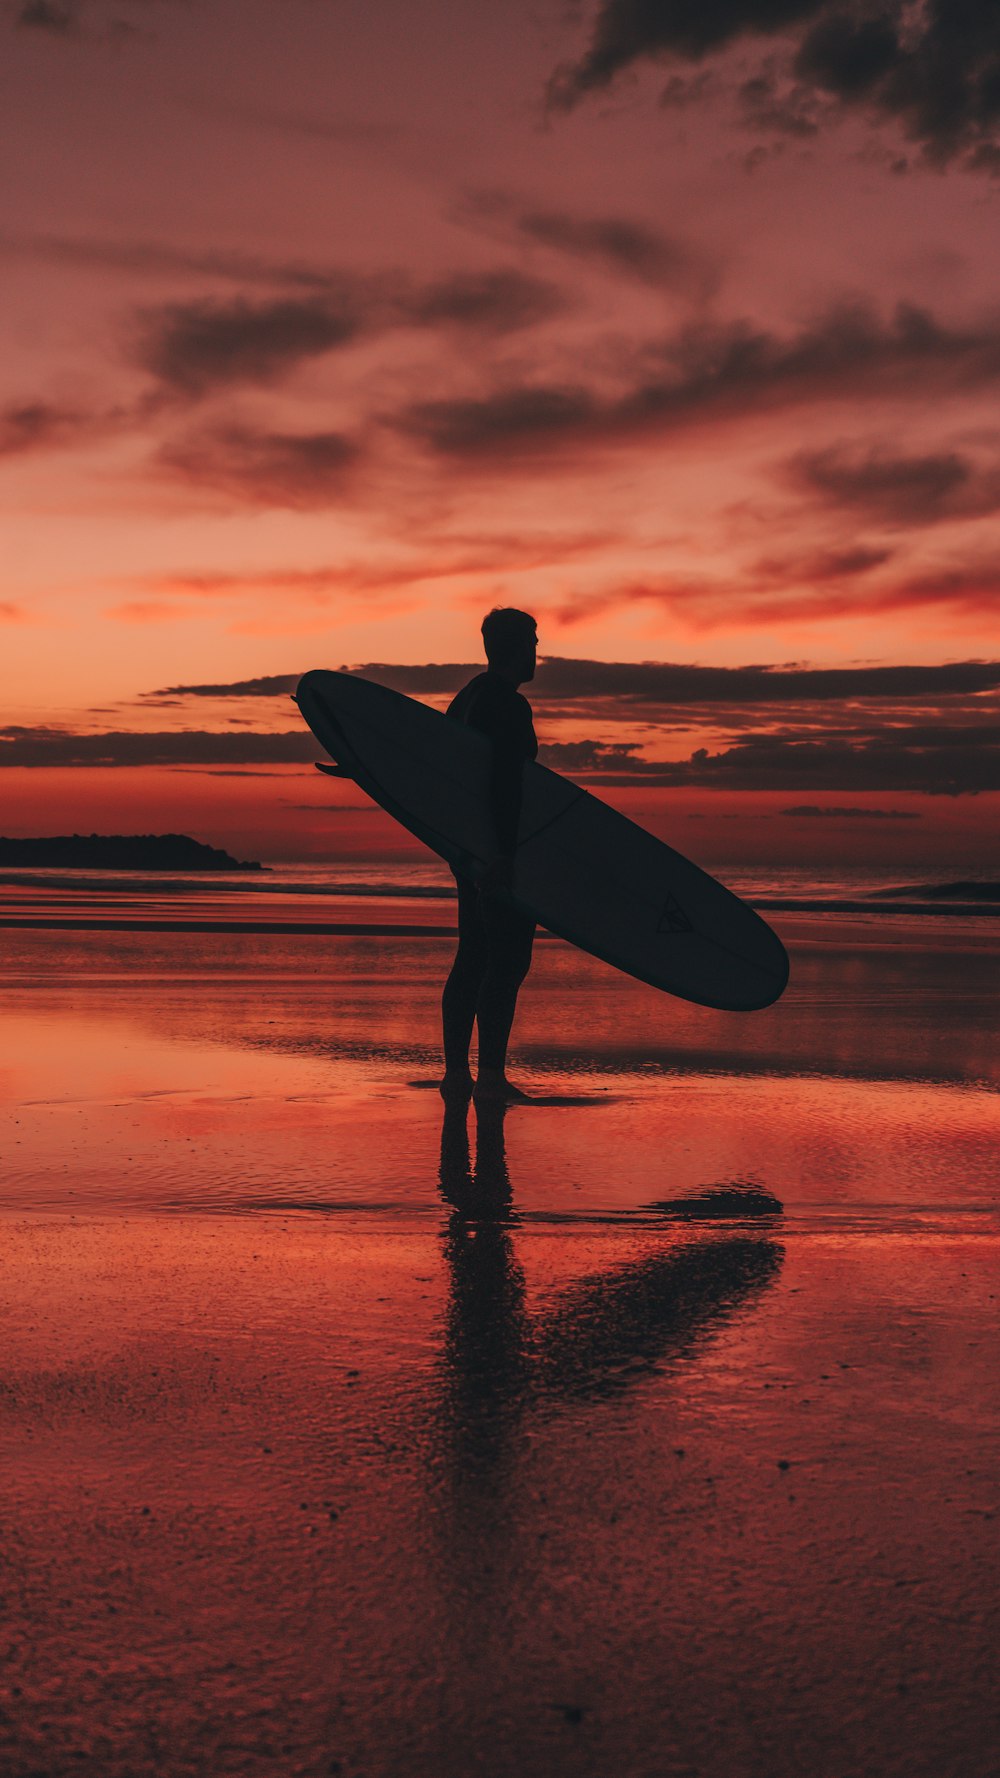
503	1368
486	1333
603	1330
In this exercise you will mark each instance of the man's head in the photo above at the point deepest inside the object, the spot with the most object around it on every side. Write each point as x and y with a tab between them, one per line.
510	639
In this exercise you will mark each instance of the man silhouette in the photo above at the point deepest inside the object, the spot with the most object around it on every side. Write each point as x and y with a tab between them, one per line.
494	940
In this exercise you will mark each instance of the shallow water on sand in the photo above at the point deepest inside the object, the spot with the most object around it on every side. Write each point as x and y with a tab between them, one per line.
199	1073
348	1435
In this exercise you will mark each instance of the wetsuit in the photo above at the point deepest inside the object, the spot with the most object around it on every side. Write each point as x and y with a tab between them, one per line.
494	940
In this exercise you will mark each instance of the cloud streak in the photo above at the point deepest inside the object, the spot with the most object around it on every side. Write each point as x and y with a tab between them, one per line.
813	812
934	760
193	348
38	747
154	259
717	372
296	470
196	347
617	245
502	300
938	764
934	729
46	15
637	684
70	20
911	490
30	426
810	589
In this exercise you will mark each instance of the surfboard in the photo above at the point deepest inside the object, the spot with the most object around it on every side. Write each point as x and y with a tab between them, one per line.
581	869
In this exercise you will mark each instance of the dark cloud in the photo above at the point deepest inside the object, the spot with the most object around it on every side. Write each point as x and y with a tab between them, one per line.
154	258
517	419
637	684
941	761
936	71
305	470
769	107
340	129
812	811
938	763
633	688
684	90
269	685
40	426
21	746
907	490
72	19
849	54
498	301
877	761
417	681
823	565
193	348
718	371
579	757
933	70
969	587
986	159
629	31
933	729
45	15
620	245
784	592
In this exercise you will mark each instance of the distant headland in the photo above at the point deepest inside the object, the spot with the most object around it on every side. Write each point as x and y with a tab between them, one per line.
120	851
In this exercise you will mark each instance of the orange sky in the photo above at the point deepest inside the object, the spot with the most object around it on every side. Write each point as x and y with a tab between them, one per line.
323	334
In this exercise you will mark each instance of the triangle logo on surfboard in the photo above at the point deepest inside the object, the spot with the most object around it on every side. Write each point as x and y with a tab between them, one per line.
673	918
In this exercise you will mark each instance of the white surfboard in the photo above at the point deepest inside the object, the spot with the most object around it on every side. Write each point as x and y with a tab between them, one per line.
581	869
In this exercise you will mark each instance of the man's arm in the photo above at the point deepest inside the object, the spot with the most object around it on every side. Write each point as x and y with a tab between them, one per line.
511	747
505	795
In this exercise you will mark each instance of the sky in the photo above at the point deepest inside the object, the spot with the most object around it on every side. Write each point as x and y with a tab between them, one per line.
329	325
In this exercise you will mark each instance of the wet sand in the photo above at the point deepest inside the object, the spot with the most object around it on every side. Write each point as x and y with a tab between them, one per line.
342	1435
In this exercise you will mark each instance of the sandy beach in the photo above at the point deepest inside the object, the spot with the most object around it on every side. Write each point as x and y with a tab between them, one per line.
344	1436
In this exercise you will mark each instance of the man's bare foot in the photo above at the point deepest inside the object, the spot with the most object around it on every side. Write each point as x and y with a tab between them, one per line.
493	1088
456	1084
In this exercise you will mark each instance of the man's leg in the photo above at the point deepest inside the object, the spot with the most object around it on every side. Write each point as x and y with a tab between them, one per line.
510	936
461	990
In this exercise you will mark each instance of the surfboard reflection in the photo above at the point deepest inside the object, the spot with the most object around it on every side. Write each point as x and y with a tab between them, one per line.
604	1332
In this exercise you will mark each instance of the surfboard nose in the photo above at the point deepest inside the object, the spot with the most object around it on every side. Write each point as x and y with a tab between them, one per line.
308	685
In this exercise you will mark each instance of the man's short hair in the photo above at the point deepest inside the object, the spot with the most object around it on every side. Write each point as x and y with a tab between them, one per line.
505	630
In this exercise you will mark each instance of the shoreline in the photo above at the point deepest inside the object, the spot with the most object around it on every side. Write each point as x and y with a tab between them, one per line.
798	927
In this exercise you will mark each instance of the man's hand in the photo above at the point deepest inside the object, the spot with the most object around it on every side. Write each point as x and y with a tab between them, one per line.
497	875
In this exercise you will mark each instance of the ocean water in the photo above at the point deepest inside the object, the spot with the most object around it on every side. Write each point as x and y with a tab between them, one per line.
199	1033
210	1065
378	893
